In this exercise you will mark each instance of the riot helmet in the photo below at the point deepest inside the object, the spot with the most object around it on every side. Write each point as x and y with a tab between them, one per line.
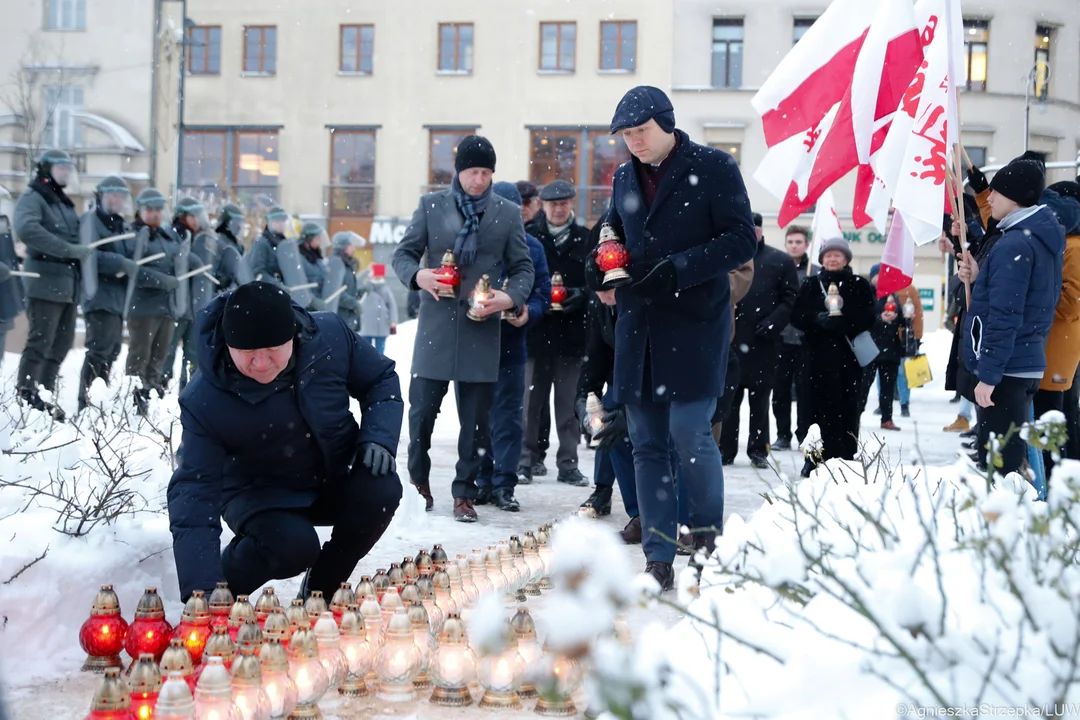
231	219
191	212
113	196
58	166
277	220
345	242
151	206
313	234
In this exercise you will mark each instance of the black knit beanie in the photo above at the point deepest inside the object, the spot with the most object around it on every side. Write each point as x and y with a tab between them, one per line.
1022	181
475	151
258	315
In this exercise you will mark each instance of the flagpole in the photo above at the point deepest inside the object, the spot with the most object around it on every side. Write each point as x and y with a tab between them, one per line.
953	17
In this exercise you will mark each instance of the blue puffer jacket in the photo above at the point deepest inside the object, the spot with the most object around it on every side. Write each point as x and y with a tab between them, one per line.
1013	300
513	338
248	447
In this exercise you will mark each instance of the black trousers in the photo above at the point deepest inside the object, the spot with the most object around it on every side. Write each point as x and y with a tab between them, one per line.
51	335
1072	420
278	544
104	337
1045	401
474	412
757	443
789	376
542	375
889	370
1012	400
184	333
148	339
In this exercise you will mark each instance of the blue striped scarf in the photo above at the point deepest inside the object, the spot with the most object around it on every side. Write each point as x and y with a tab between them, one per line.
471	208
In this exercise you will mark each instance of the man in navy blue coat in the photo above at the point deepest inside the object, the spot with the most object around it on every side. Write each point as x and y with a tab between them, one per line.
271	446
1012	306
682	210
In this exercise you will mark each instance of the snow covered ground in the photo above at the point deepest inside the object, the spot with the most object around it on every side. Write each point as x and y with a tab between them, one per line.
42	608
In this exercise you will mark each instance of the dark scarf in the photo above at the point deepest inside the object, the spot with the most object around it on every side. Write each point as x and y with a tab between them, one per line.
113	223
230	239
471	209
273	237
312	255
48	189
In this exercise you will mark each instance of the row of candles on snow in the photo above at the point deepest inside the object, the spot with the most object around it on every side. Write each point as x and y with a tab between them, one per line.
398	633
611	259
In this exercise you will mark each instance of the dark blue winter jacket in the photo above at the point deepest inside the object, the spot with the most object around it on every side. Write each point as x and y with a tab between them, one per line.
513	338
701	221
248	447
1013	300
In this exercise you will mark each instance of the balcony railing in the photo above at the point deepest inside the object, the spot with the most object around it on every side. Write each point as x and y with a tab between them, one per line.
351	200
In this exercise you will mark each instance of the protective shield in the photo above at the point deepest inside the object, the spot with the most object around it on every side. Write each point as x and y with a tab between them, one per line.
205	251
141	239
334	282
12	292
292	272
181	264
236	266
88	233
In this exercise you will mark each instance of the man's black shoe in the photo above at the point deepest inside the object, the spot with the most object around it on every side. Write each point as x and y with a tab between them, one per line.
663	573
973	432
759	462
631	534
524	475
782	444
726	460
955	399
905	411
571	477
599	503
483	495
807	468
503	498
538	469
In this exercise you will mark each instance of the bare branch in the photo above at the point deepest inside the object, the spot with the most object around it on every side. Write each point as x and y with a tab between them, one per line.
27	566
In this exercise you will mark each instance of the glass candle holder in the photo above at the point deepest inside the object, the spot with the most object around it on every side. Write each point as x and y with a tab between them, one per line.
457	588
492	569
443	598
359	654
176	660
472	593
501	675
452	666
343	598
175	701
222	646
315	605
213	694
265	605
103	634
328	642
279	687
149	631
558	677
528	648
424	643
479	573
221	601
307	671
436	616
380	582
389	605
249	636
241	611
297	617
111	700
398	661
248	693
397	576
144	685
408	566
424	564
277	627
439	558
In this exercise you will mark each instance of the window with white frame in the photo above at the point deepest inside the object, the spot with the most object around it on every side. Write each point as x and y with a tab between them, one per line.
63	129
65	14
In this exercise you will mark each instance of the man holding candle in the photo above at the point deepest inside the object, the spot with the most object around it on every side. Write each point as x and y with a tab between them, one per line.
271	446
683	212
487	238
557	343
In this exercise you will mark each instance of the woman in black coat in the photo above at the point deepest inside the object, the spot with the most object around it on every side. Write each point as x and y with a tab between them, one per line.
834	378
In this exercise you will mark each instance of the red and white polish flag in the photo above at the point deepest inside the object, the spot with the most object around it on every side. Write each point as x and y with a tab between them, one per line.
898	260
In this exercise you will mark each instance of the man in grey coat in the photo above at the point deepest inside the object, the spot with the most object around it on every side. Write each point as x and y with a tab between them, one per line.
46	222
487	237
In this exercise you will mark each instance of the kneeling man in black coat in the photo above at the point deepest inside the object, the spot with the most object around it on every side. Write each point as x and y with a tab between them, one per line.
271	446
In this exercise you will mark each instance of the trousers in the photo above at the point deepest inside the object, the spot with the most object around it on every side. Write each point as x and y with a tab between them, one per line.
104	338
498	465
615	463
474	416
757	442
1012	402
278	544
789	375
378	342
50	337
541	374
148	345
887	370
184	334
653	427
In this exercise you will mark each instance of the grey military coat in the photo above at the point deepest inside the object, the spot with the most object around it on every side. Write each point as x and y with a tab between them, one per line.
450	346
49	230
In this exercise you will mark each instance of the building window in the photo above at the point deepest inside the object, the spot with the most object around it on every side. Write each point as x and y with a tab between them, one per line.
1043	36
65	14
357	49
456	47
241	164
732	149
976	41
443	150
977	155
558	42
204	50
618	46
63	129
727	49
554	156
800	28
260	50
352	173
607	153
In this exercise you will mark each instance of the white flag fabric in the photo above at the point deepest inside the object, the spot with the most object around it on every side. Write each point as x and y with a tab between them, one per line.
826	224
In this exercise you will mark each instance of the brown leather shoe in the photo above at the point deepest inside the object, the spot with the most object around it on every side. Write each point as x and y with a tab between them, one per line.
425	492
463	510
889	425
631	534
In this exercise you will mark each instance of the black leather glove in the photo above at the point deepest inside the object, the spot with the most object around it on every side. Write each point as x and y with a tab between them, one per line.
659	283
575	300
169	283
594	279
582	415
130	268
378	459
977	180
614	428
829	322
